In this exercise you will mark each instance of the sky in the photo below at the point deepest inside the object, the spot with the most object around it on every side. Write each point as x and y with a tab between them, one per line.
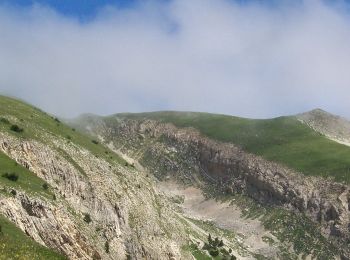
249	58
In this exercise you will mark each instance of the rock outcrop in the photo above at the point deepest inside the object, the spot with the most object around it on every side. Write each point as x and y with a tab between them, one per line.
126	212
167	150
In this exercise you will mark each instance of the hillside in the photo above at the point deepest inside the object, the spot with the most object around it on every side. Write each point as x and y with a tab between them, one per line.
334	127
65	195
280	171
134	186
283	139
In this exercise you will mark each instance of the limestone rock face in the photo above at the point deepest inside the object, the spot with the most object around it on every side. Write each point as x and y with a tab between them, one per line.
334	127
184	153
125	210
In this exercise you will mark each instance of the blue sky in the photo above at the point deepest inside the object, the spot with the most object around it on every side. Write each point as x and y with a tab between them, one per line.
85	10
82	9
248	58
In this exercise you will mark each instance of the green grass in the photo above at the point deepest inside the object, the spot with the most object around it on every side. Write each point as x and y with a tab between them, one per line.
35	123
27	180
305	235
283	139
196	253
14	244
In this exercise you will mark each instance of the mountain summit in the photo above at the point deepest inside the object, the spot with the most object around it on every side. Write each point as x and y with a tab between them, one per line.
334	127
170	185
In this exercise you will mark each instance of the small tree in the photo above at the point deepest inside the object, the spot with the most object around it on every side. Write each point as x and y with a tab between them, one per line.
87	218
11	176
45	186
16	128
214	252
210	240
107	247
4	120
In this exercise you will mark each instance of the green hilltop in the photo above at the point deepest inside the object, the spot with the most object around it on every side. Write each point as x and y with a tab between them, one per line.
38	125
283	139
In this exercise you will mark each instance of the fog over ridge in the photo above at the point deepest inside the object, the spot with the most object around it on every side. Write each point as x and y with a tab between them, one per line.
200	55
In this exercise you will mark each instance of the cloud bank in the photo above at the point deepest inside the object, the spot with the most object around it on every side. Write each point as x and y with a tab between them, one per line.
218	56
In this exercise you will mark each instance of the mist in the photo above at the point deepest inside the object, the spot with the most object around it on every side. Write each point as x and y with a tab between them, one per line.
249	60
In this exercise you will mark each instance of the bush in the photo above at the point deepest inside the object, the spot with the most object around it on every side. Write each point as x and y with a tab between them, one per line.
107	247
11	176
94	141
45	186
16	128
87	218
214	252
4	120
13	192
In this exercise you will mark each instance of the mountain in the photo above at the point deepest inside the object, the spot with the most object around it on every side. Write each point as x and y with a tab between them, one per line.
291	178
170	185
75	198
334	127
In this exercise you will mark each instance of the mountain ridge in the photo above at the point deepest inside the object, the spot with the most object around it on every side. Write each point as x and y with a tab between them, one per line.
84	201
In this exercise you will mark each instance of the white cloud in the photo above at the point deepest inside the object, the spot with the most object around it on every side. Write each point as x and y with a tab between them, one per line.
214	56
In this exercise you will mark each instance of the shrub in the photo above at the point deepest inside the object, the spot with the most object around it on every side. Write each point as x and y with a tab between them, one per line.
45	186
13	192
107	247
210	240
11	176
87	218
0	230
4	120
206	246
16	128
214	252
57	120
94	141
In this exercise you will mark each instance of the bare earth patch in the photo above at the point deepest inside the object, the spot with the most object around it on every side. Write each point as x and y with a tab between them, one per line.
223	214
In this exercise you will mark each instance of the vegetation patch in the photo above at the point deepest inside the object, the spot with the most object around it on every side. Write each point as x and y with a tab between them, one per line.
14	244
38	124
11	176
16	128
18	177
284	139
87	218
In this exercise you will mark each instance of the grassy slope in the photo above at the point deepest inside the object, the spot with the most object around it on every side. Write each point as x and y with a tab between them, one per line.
35	123
27	180
14	244
282	139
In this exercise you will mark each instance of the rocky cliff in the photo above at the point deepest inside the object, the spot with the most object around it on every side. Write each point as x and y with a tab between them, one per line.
185	154
146	189
95	207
